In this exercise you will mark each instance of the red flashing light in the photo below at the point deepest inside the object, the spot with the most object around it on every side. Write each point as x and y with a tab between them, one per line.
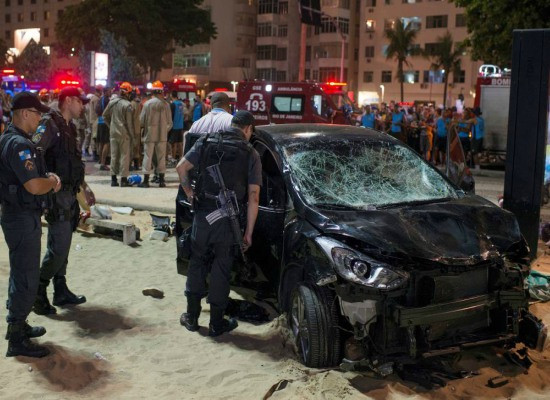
221	90
8	71
336	83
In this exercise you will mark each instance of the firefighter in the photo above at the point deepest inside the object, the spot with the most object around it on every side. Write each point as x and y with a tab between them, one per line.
119	116
56	134
156	120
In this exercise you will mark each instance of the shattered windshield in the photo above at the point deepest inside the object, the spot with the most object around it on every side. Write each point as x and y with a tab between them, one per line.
362	174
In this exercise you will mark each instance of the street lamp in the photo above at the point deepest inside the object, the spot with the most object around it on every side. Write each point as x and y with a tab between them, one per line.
234	83
382	90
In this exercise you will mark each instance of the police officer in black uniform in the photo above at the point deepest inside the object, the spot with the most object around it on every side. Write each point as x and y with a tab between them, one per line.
57	135
24	184
213	247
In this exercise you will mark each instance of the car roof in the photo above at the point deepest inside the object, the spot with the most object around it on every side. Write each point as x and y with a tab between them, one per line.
284	133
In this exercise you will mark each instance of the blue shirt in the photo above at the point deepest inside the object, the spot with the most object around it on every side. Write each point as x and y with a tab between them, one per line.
197	111
177	117
441	127
396	118
461	133
479	128
367	120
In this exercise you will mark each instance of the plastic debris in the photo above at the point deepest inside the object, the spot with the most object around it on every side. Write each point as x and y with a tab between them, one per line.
158	235
101	212
538	285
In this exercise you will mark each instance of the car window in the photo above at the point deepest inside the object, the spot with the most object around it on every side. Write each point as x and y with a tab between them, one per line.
363	174
287	104
273	192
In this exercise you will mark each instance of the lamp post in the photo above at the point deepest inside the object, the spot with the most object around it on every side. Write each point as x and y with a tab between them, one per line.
382	90
234	83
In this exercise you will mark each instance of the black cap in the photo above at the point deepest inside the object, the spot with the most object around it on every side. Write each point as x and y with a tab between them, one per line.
219	98
28	100
477	111
73	92
243	118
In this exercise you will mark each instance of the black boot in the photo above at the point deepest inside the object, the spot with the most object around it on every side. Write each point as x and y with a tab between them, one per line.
114	182
124	182
32	331
218	324
42	305
62	295
145	183
19	343
162	182
136	164
190	319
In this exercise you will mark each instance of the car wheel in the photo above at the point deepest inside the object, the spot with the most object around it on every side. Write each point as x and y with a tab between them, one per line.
313	321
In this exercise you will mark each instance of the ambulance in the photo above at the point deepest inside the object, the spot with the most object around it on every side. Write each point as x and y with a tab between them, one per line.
296	102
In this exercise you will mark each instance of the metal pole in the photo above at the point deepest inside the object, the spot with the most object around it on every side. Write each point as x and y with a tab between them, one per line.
342	58
302	67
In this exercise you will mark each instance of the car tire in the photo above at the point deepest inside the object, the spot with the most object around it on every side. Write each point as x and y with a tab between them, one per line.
313	323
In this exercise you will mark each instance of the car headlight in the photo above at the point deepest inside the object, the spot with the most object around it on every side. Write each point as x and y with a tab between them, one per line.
359	268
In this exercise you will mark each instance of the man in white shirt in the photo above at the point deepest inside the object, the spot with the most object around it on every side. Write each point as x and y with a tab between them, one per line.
219	119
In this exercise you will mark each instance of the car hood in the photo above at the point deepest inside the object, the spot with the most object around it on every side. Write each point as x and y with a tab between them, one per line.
461	231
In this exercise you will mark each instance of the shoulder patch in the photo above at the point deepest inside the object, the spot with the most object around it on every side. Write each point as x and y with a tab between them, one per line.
38	134
29	165
25	155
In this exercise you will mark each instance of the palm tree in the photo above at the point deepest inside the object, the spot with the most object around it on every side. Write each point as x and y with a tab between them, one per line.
446	58
401	46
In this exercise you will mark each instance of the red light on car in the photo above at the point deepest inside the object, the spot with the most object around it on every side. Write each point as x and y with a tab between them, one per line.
8	71
336	83
221	90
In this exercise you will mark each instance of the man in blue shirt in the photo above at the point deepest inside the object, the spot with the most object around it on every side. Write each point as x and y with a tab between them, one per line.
367	120
479	134
397	124
175	136
441	124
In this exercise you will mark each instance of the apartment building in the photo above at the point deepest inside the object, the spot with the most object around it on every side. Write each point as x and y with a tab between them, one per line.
23	20
432	19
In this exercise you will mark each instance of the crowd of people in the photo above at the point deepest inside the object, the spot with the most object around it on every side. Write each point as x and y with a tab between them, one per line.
125	130
424	128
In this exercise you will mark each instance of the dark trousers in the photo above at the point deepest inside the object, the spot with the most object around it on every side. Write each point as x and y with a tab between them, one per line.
60	234
22	232
214	251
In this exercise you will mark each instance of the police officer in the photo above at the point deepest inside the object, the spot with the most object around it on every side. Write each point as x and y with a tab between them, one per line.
23	184
56	134
242	172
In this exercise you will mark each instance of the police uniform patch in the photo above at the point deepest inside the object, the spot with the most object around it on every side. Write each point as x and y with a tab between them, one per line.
29	165
38	134
25	155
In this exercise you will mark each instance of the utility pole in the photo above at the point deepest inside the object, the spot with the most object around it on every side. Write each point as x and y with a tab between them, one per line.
302	67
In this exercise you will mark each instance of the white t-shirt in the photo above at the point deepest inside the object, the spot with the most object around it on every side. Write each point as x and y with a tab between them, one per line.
216	120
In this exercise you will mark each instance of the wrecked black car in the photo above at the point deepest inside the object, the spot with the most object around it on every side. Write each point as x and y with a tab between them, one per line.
368	247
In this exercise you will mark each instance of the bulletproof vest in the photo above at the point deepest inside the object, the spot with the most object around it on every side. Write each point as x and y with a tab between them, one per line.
14	196
66	161
232	154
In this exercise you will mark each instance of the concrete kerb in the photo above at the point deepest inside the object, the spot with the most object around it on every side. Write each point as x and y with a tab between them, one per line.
138	206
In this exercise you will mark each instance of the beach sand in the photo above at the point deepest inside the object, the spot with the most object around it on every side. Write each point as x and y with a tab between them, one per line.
124	345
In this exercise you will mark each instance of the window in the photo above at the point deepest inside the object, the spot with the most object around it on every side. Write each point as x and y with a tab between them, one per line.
283	7
386	77
244	62
283	30
328	25
369	51
307	74
33	1
266	52
389	24
414	22
411	1
355	54
7	35
46	15
315	75
191	60
368	76
370	24
287	104
460	77
20	2
267	6
281	76
387	2
265	29
308	53
7	18
33	15
344	4
281	54
460	20
8	3
331	74
371	3
436	21
432	48
59	13
432	76
268	74
46	32
411	76
20	17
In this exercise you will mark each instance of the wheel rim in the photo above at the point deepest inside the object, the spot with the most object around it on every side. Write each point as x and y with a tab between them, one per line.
299	326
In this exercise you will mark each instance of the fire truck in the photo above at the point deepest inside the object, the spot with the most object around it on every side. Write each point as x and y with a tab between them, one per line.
296	102
185	89
493	97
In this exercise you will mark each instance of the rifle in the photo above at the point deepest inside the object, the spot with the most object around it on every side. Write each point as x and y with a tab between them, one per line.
227	207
